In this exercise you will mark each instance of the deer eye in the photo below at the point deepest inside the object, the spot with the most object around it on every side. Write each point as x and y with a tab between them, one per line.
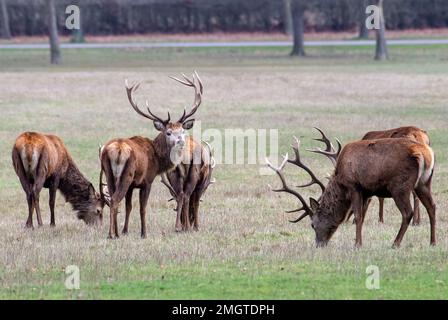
312	225
168	133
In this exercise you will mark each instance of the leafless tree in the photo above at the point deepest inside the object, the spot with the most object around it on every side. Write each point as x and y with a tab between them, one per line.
5	30
298	26
381	45
55	50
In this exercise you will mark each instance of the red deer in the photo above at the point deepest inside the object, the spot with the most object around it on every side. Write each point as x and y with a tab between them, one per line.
383	167
189	181
42	161
134	163
409	132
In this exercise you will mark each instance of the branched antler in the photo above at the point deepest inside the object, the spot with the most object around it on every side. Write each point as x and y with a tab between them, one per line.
195	83
330	152
285	188
298	162
130	90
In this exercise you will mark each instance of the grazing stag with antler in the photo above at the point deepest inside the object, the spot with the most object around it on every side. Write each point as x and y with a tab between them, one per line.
43	161
409	132
389	168
189	181
134	163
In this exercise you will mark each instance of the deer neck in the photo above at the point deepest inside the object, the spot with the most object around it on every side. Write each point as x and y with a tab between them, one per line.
335	202
76	190
163	154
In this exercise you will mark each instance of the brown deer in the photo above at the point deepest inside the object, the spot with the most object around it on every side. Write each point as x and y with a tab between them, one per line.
383	167
409	132
189	181
134	163
42	161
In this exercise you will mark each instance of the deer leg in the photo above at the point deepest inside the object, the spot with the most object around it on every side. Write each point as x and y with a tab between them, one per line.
381	210
180	202
144	196
365	207
186	212
30	200
357	206
52	199
128	206
416	216
404	205
195	207
424	194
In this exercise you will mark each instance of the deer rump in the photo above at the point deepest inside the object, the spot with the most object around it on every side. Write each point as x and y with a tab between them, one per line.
382	167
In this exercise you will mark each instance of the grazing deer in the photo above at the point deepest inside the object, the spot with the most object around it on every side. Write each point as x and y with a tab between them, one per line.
134	163
409	132
42	161
189	181
384	167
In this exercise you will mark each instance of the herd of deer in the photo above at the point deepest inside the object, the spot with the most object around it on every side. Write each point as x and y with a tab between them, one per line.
388	164
128	163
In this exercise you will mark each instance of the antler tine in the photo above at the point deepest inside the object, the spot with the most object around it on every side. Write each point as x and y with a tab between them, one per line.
298	162
329	151
104	196
130	90
195	83
324	139
168	185
287	189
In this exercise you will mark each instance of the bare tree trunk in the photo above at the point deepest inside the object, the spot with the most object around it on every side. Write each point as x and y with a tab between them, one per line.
6	31
363	31
287	19
78	34
55	51
381	45
297	13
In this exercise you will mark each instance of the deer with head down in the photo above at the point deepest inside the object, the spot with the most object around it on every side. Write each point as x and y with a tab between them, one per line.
388	168
43	161
134	163
409	132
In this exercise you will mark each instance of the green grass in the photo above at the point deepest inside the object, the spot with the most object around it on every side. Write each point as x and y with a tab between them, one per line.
246	247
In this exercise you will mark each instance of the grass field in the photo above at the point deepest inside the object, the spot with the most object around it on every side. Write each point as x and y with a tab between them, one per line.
246	247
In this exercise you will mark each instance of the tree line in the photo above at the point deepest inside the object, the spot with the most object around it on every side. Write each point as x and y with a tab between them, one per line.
30	17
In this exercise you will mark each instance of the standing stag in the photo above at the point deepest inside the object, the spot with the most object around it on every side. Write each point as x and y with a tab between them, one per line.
409	132
388	168
134	163
189	181
42	161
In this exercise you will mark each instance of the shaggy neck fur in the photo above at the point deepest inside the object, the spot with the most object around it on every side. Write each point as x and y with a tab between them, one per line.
162	151
334	203
76	190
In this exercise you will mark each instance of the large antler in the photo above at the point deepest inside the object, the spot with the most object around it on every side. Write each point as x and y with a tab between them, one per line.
285	188
195	83
330	152
151	116
298	162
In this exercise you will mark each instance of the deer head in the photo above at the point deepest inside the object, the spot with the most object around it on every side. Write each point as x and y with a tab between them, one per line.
174	132
320	211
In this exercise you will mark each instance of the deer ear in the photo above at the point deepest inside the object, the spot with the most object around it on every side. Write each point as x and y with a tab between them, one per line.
159	125
187	125
314	204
